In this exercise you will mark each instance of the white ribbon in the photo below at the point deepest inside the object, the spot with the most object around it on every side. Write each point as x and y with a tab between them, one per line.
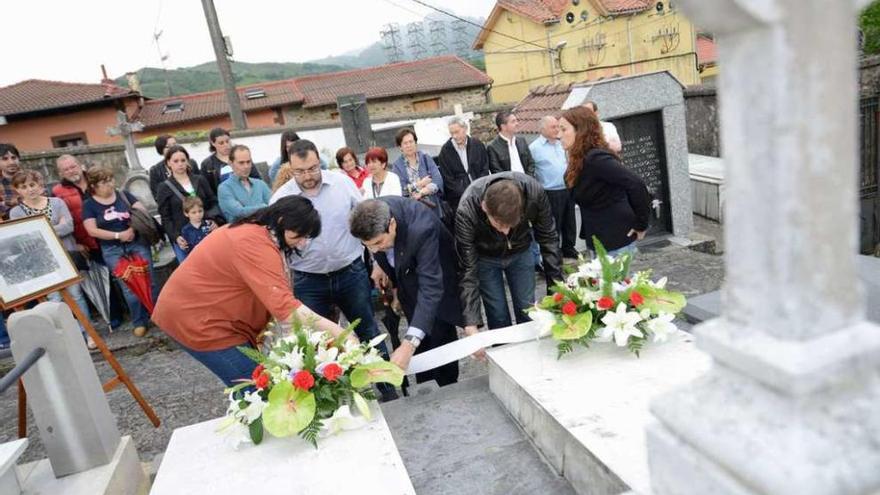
458	349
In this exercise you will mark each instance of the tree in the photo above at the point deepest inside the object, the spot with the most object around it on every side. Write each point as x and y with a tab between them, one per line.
869	22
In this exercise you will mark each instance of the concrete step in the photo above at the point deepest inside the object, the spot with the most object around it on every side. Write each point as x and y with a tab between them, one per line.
458	439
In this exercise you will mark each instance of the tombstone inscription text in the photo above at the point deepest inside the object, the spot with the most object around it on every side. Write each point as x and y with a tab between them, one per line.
643	153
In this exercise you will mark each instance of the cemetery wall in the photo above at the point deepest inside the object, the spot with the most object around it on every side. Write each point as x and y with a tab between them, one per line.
701	115
108	155
869	76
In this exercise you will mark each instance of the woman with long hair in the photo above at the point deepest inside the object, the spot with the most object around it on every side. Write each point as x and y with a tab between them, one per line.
288	137
224	294
613	200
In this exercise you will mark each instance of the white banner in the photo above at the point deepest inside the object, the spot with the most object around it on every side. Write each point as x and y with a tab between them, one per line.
454	351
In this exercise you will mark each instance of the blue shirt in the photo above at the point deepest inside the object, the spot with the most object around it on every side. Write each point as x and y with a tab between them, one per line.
550	163
237	201
335	248
194	235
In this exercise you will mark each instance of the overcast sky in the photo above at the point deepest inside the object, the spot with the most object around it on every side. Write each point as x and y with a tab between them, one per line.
69	40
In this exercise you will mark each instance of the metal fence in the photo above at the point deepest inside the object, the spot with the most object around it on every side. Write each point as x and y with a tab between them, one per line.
869	200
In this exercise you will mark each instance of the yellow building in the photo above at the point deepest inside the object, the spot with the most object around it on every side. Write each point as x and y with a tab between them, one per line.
528	43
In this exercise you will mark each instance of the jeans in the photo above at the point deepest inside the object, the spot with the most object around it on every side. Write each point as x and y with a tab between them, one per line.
180	254
112	254
519	270
629	248
77	294
228	364
4	336
562	207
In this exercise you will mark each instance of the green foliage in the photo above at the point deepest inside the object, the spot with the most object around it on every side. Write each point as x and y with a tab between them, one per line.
255	430
380	371
612	270
254	355
635	344
869	22
310	432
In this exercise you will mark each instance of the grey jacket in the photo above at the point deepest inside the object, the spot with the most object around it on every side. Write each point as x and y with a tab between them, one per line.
61	221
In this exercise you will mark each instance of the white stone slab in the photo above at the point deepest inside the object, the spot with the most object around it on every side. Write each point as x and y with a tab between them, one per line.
364	461
587	412
124	475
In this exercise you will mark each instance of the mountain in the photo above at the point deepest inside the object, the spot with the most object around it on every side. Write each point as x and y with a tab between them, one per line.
205	77
369	56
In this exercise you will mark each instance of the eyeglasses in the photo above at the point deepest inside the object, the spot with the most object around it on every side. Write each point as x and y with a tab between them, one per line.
309	171
105	181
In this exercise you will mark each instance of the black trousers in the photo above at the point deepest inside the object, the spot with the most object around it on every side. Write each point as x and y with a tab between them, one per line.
562	207
442	333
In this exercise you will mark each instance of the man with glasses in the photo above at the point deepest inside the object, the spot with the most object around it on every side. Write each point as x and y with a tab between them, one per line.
417	252
330	270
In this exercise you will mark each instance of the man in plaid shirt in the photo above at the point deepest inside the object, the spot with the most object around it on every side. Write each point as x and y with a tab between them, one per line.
9	166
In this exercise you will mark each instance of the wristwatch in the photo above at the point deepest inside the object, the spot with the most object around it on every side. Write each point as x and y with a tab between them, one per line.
412	339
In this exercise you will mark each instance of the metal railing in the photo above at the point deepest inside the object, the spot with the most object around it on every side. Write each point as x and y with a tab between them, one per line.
869	117
21	368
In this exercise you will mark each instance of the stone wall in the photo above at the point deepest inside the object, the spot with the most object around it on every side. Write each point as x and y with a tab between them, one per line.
701	114
111	155
401	107
869	76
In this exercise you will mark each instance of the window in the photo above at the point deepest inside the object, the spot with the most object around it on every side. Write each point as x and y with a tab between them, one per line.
173	107
426	105
70	140
255	93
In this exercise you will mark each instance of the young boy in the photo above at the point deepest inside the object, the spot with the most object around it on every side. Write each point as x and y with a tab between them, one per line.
197	228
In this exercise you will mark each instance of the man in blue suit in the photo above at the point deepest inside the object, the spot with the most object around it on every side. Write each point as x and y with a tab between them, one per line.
416	252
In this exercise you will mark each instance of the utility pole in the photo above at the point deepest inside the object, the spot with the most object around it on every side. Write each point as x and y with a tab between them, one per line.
223	66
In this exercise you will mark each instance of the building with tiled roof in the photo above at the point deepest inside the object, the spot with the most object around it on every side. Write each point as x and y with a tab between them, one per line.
405	88
37	114
530	43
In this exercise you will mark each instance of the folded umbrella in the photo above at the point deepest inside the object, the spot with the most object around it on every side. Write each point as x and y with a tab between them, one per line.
96	286
134	271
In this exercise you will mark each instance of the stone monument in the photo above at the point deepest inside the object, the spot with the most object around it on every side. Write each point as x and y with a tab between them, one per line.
648	110
792	401
355	119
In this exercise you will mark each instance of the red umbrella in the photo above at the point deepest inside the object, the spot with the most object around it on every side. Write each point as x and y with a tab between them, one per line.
135	272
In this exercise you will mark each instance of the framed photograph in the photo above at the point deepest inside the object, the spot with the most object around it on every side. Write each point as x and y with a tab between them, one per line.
33	262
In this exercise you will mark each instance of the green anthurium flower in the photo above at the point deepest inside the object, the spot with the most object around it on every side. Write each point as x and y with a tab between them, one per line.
380	371
289	411
362	405
573	327
661	300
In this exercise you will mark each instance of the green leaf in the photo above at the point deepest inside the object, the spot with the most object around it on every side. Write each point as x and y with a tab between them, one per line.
380	371
662	300
252	353
289	411
578	327
256	431
310	432
362	406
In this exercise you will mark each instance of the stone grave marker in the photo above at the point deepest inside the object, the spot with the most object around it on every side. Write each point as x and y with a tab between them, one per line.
648	110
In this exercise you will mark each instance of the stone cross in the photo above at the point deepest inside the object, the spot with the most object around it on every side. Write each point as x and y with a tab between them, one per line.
76	425
125	129
792	403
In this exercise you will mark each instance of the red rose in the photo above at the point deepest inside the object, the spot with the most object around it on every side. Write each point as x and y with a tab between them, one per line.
569	308
303	380
635	298
557	297
262	381
605	302
257	372
332	371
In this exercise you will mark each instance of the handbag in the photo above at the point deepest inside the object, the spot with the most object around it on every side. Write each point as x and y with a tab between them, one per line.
212	213
142	222
79	261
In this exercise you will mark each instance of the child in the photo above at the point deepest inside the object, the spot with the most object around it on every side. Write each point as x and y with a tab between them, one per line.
197	228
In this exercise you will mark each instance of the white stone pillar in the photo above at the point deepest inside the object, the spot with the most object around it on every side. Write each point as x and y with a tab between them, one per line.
792	404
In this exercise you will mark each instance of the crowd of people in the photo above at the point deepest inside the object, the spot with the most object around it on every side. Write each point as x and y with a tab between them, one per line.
444	239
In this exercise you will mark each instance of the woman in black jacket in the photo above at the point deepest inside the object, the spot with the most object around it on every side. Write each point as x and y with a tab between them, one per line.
174	189
613	200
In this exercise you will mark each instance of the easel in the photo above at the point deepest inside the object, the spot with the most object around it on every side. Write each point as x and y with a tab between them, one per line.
121	375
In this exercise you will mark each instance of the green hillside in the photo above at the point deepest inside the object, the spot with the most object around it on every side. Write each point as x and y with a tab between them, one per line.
204	77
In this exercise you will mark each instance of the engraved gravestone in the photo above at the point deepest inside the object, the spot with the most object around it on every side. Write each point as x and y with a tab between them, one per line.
648	111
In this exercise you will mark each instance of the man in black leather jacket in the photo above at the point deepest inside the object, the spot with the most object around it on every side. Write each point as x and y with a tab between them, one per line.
494	224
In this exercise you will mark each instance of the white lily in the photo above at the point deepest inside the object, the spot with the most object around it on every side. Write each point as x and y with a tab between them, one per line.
342	419
255	407
544	320
662	327
378	339
591	269
621	324
660	284
327	355
293	360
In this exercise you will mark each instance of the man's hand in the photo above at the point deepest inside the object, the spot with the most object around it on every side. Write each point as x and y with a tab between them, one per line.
481	353
380	280
403	354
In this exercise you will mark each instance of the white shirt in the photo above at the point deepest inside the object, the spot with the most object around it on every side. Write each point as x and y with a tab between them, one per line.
515	163
390	187
462	153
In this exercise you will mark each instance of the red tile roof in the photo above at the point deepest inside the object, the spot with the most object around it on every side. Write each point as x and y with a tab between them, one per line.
625	6
35	95
707	51
405	78
198	106
540	11
541	101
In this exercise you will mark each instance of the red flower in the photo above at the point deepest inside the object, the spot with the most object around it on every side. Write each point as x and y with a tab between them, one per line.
570	308
262	381
332	371
557	297
635	298
257	372
605	303
303	380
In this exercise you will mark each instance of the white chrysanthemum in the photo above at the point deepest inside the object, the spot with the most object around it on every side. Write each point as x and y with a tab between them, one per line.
662	327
